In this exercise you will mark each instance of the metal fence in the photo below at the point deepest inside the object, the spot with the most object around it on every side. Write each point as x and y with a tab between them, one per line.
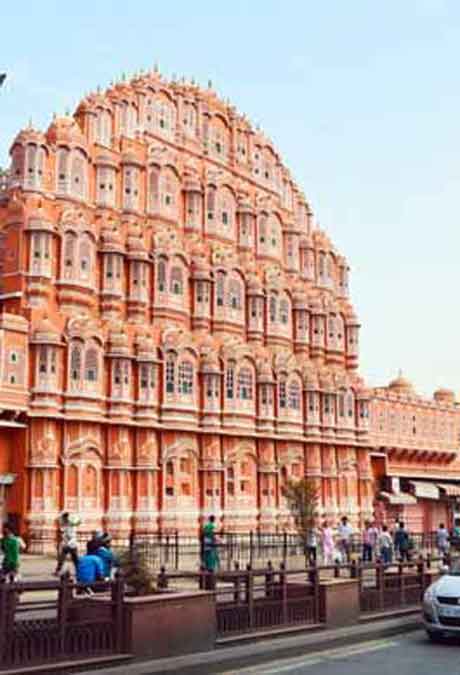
33	631
253	548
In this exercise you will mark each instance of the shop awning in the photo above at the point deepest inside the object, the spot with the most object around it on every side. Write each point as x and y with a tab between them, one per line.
7	478
398	498
12	424
425	490
450	490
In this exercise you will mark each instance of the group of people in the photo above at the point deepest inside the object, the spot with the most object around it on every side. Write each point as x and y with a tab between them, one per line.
99	561
337	545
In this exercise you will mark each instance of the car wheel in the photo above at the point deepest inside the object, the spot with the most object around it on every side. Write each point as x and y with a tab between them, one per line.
434	636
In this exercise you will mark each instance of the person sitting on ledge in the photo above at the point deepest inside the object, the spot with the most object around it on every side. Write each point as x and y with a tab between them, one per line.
107	556
90	568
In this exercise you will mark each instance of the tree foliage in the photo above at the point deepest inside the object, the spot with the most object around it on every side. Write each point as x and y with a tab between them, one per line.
302	497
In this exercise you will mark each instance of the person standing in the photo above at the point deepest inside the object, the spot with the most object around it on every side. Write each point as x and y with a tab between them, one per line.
345	532
11	548
442	539
385	545
401	542
327	543
311	546
209	544
69	546
370	537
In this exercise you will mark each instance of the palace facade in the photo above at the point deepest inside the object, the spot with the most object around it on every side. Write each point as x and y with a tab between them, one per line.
177	338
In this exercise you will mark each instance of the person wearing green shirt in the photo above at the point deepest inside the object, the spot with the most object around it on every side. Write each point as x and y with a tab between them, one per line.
11	547
210	554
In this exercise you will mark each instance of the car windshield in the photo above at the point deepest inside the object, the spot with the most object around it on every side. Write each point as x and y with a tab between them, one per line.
454	569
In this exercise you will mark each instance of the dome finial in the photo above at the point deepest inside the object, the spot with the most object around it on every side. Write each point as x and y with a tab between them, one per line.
156	68
209	84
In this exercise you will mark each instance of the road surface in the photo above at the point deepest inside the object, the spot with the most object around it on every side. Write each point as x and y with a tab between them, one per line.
411	654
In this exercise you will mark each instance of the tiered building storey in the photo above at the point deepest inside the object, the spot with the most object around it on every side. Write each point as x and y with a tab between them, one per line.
176	337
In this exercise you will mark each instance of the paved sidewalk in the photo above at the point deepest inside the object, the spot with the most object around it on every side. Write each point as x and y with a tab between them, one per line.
265	650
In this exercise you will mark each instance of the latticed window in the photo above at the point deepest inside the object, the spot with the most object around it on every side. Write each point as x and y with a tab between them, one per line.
350	404
75	363
230	381
53	366
272	309
284	312
220	289
341	405
186	377
311	401
161	276
245	384
211	203
85	258
43	360
91	365
282	394
154	189
234	294
170	375
294	395
70	241
117	373
177	282
267	394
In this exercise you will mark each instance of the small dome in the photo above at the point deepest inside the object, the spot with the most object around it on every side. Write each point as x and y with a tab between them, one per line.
136	247
65	130
444	396
401	385
111	241
45	332
29	135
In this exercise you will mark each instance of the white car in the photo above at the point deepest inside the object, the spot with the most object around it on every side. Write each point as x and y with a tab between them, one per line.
441	605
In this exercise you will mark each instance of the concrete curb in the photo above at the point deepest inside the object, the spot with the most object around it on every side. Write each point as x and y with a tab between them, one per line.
263	651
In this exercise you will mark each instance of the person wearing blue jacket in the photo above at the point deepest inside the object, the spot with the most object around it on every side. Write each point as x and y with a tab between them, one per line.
89	568
107	556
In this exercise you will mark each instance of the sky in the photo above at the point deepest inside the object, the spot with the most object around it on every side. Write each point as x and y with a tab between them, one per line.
361	99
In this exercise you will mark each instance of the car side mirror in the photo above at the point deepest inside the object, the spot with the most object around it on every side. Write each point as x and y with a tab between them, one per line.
444	569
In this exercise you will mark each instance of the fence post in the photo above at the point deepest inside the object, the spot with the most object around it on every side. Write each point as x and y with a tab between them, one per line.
269	580
251	546
380	572
353	570
237	584
336	569
4	618
283	582
250	595
64	598
176	549
284	547
117	593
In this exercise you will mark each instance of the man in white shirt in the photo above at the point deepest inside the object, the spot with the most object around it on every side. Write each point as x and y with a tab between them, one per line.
68	529
345	532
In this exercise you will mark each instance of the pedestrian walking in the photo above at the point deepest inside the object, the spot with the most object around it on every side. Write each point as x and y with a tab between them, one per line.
69	547
455	535
11	549
345	532
402	542
442	540
327	543
370	537
385	545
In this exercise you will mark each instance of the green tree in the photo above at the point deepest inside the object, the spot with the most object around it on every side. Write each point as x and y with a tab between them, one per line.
302	497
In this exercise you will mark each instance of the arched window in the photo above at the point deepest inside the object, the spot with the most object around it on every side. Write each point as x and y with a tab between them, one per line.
63	171
284	311
91	364
230	381
85	258
177	281
78	176
282	394
69	247
154	189
75	363
272	308
117	373
294	395
211	205
189	118
186	377
226	212
103	127
234	294
245	384
350	405
165	116
169	193
220	289
341	404
161	276
43	360
170	374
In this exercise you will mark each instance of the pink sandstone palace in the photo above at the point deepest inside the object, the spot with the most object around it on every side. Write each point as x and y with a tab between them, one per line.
176	336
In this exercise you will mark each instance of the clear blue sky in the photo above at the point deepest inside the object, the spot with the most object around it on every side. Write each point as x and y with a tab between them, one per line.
362	99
